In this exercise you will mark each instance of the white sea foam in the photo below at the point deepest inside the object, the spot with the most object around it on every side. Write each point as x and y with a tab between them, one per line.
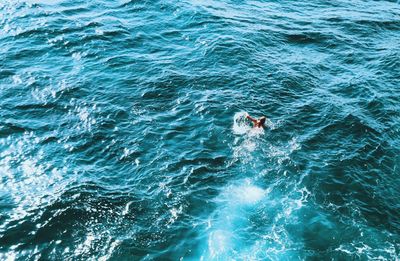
245	194
223	240
219	242
240	124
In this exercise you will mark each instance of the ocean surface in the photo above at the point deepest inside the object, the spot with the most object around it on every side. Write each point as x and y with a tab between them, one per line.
123	133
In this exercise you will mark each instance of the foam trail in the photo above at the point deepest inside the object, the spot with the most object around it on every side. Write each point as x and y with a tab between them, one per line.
224	241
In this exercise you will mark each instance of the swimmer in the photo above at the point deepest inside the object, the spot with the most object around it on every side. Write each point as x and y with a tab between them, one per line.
257	123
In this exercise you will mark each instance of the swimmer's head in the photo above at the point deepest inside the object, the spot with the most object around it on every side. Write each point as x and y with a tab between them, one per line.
262	120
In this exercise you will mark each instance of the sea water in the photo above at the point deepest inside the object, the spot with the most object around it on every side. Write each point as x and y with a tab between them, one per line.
123	133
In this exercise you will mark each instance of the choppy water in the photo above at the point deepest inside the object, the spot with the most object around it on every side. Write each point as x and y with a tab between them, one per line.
121	130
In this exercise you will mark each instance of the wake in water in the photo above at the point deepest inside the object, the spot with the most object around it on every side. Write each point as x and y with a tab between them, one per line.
247	137
250	220
226	230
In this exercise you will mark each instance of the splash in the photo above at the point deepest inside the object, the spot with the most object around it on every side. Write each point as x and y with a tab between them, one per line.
240	123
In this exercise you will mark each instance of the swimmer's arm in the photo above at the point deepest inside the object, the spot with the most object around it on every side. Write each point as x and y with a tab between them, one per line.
252	119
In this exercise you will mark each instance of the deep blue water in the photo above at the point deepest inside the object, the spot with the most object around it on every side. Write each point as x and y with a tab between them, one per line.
122	134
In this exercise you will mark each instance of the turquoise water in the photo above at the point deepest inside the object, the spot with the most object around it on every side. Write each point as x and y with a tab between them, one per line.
122	131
